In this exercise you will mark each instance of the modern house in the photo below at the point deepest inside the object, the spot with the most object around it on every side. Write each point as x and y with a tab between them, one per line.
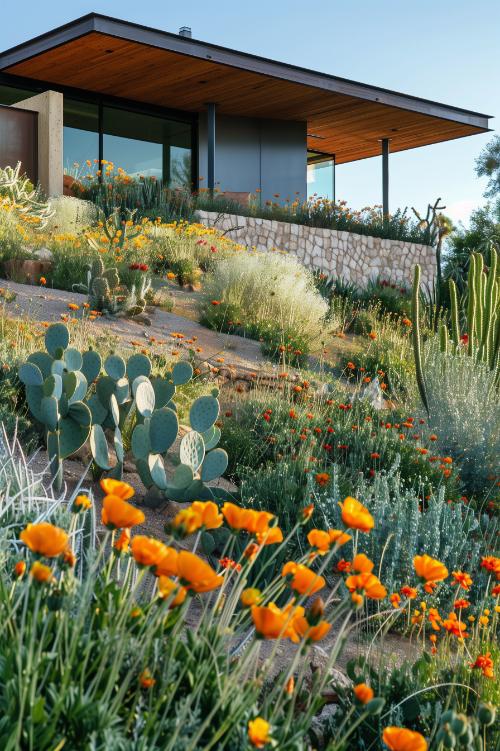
197	114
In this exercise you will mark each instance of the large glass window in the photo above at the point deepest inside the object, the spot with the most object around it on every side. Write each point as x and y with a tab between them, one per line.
80	134
320	176
148	146
11	95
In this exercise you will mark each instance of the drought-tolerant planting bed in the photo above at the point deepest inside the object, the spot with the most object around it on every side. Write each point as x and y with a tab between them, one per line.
290	546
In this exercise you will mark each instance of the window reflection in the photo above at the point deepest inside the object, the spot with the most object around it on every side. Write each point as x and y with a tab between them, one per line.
80	135
320	176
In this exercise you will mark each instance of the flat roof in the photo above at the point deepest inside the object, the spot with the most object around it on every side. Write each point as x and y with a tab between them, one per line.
117	58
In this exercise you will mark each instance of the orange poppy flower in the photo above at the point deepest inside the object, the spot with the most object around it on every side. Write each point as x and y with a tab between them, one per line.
147	551
401	739
409	592
308	632
40	572
123	542
118	514
167	587
338	537
146	679
20	569
270	536
196	574
395	600
81	503
462	579
363	693
355	515
246	519
250	596
367	583
429	569
185	523
485	664
271	622
168	564
304	580
45	539
116	487
362	564
258	732
209	514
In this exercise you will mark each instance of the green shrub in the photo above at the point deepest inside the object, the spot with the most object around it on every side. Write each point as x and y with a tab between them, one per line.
388	296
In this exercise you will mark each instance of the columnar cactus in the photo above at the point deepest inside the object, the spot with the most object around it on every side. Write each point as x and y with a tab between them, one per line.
56	386
416	336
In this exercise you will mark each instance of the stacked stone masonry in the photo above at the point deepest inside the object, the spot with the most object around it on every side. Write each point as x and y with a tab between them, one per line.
343	255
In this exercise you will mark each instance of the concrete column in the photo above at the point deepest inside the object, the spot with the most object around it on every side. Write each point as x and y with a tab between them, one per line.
49	106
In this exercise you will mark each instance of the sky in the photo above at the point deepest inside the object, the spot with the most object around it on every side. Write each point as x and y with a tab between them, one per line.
445	51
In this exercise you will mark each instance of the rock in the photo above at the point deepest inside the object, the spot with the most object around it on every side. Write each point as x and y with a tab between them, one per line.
44	254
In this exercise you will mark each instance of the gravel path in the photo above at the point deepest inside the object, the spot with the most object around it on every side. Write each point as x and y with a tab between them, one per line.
42	304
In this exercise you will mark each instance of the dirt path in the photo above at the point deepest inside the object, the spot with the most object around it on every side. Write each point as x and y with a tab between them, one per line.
41	304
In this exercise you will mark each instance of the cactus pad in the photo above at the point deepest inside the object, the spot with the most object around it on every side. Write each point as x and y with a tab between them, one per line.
157	471
203	413
183	477
192	450
56	337
53	386
73	359
43	361
30	374
164	391
91	365
138	365
145	399
72	436
163	430
182	372
214	465
141	446
80	413
115	367
211	437
49	411
99	447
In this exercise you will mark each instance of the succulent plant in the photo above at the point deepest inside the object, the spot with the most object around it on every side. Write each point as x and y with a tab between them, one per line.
56	385
20	193
106	294
157	429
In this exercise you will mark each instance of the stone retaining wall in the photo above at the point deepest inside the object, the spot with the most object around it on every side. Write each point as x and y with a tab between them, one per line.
354	258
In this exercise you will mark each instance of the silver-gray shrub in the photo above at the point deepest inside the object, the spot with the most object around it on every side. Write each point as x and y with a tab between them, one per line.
26	497
404	528
464	410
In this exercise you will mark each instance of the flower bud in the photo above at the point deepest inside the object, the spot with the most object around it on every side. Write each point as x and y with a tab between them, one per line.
486	714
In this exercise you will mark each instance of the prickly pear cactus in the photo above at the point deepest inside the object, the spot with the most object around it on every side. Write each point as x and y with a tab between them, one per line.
56	386
157	429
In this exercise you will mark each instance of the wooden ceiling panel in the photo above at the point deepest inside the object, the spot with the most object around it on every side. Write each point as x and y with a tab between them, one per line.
348	126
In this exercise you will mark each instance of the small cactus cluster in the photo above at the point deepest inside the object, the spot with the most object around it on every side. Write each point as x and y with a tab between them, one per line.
464	733
482	319
57	390
56	384
106	294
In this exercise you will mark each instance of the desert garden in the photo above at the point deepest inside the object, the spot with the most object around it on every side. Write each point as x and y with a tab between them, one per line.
244	504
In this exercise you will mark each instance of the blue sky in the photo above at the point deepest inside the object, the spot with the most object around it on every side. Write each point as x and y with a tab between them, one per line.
446	51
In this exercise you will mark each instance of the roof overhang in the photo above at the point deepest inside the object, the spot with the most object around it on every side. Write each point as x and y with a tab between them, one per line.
116	58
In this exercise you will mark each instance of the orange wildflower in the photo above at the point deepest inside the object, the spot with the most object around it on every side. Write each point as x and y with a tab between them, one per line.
258	732
367	583
310	632
250	596
304	580
118	514
123	542
116	487
168	564
401	739
146	679
485	664
362	564
195	573
40	572
409	592
20	569
363	693
147	551
462	579
45	539
355	515
429	569
167	587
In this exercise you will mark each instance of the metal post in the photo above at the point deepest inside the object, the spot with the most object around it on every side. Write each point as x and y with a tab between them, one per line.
211	147
333	177
385	176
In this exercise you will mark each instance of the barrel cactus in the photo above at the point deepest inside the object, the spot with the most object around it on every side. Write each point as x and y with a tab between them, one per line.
56	386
